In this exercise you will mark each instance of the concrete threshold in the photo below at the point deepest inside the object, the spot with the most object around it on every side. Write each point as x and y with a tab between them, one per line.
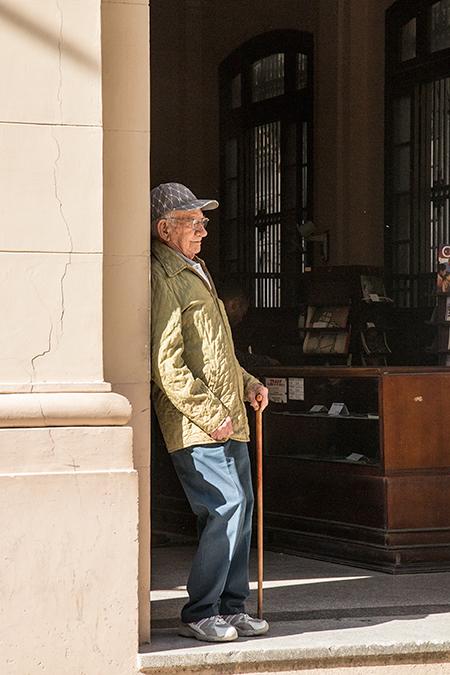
306	645
322	616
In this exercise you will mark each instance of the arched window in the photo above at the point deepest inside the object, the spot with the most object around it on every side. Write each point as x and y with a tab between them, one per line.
266	109
418	143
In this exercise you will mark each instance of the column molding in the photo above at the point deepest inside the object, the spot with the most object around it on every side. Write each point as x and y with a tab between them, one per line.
64	409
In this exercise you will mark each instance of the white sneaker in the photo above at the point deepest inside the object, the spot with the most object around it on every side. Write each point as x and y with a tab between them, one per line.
211	629
246	625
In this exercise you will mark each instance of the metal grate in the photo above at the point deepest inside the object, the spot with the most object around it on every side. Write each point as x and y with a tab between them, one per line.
440	26
418	137
439	93
302	71
266	116
268	77
267	213
428	202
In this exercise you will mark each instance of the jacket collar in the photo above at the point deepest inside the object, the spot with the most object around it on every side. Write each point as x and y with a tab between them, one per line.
170	260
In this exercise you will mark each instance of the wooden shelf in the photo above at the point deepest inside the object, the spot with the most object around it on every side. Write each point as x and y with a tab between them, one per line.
388	511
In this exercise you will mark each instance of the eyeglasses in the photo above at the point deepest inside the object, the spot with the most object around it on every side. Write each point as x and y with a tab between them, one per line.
195	223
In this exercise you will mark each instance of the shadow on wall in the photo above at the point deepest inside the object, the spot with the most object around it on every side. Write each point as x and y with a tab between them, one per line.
53	40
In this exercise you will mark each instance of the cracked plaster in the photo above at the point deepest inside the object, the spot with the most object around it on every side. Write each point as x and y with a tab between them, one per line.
43	340
32	450
69	494
59	71
51	189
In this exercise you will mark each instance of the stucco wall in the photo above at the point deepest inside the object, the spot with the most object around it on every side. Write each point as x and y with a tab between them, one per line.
69	489
126	144
69	554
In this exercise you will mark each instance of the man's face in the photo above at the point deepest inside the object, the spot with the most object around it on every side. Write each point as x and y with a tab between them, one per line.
180	235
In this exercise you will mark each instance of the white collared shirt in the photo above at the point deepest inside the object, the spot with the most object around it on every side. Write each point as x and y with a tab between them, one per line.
197	267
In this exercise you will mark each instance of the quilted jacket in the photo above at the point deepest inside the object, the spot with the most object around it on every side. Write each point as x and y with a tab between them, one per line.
196	379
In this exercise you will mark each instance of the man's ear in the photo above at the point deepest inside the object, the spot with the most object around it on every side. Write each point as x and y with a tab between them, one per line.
234	303
163	230
242	304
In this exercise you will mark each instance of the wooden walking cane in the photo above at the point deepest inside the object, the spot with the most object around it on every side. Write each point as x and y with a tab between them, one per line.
259	501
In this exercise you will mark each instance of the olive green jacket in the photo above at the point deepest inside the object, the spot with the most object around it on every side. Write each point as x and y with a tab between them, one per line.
197	380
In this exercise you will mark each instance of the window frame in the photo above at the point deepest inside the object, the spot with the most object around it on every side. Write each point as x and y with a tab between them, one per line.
411	78
293	107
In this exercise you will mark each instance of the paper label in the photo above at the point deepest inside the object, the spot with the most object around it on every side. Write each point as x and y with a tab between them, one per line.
355	457
277	387
297	388
338	409
318	409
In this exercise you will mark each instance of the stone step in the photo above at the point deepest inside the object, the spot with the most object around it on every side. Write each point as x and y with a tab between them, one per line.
417	644
352	667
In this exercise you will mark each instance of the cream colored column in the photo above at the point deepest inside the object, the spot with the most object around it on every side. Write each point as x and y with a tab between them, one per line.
68	489
126	108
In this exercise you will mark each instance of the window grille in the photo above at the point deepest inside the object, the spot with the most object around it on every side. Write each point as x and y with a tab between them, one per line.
266	142
418	145
266	108
438	93
268	77
440	25
302	71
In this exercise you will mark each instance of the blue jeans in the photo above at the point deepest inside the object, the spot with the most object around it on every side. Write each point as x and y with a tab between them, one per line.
218	485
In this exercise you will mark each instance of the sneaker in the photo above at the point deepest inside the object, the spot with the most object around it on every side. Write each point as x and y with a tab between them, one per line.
246	625
211	629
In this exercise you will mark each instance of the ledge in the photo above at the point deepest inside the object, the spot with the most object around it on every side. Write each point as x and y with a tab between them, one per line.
299	646
53	387
63	409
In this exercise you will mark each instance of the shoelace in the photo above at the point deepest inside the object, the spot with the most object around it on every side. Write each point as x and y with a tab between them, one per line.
216	619
241	615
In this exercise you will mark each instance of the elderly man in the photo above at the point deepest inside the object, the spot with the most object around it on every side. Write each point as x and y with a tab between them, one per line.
198	392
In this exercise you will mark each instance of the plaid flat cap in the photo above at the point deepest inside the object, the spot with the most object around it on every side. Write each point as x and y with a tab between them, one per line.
176	197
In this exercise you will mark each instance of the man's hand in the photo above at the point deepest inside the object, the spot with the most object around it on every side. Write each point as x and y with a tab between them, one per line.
225	430
252	394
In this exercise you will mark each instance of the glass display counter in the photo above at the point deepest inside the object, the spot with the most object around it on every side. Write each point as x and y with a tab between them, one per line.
357	465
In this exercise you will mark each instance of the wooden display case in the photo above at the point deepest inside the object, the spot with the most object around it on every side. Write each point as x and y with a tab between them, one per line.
371	487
